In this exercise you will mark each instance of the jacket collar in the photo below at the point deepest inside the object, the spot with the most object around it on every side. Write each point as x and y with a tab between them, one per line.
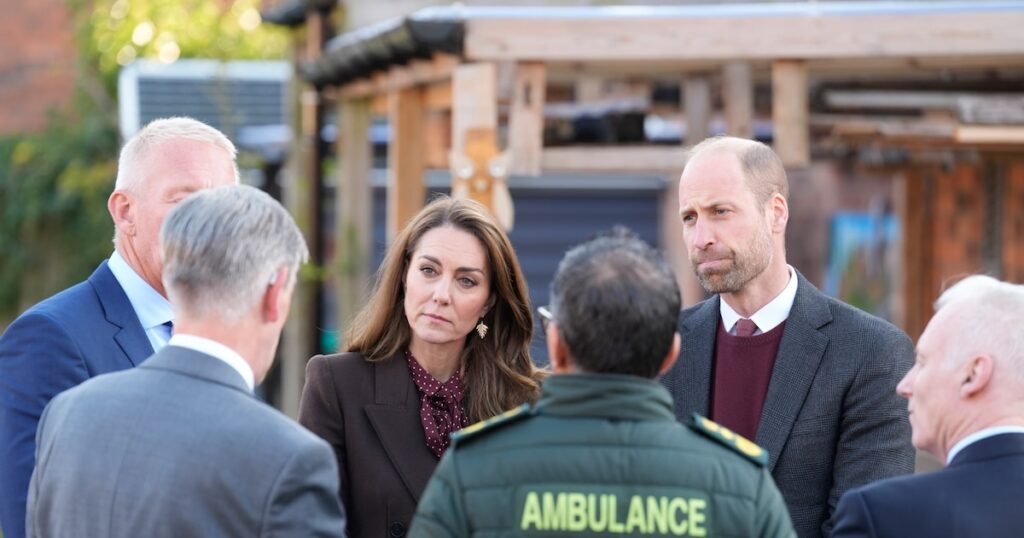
996	446
198	365
117	309
621	397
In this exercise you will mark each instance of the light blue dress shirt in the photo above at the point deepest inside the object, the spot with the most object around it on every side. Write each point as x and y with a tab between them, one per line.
152	309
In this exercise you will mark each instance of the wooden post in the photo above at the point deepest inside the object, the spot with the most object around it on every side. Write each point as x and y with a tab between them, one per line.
406	191
354	207
474	101
790	112
697	108
738	97
526	119
302	193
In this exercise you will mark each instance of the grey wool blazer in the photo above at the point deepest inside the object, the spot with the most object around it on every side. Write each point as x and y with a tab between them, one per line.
832	419
178	447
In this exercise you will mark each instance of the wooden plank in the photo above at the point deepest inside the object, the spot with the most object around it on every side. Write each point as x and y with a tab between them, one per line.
1013	222
989	134
614	158
437	134
354	207
526	119
697	108
738	98
474	101
406	191
868	35
790	112
379	104
438	96
418	72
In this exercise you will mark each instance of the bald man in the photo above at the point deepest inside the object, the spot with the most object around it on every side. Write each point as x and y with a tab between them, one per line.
807	377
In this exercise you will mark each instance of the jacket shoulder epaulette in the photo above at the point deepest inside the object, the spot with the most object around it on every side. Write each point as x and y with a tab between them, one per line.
726	437
498	421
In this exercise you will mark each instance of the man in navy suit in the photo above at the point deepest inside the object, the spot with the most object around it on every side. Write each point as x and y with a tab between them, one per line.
966	402
120	315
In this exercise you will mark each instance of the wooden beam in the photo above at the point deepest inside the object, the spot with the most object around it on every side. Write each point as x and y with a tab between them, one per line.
438	96
437	134
790	112
738	98
989	134
406	191
526	119
718	37
353	249
614	158
418	72
474	101
697	108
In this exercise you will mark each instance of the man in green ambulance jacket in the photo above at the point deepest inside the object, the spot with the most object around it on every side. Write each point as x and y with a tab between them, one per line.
601	452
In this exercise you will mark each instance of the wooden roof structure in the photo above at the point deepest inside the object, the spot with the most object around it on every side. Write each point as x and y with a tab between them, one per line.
451	58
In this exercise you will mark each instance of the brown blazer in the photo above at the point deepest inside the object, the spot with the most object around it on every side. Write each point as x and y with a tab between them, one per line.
369	412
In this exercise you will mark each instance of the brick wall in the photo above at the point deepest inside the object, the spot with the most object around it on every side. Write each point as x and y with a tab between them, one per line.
37	63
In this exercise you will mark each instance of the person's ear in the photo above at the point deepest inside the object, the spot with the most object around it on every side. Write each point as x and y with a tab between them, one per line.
779	213
977	375
558	353
673	354
272	308
120	204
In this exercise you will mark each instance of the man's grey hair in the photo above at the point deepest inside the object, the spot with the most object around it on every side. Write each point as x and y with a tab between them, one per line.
762	168
222	246
616	303
987	314
131	165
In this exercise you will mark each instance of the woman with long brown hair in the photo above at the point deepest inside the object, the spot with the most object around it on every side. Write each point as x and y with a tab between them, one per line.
443	342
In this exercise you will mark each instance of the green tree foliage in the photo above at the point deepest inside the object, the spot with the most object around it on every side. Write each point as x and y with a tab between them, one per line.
54	226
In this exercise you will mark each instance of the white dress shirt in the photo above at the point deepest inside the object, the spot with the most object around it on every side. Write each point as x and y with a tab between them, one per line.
770	315
150	307
978	436
219	351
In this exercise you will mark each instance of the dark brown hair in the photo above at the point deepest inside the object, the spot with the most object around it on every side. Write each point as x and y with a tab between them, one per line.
499	374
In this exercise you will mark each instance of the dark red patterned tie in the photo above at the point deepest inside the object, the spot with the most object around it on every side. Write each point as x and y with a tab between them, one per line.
745	327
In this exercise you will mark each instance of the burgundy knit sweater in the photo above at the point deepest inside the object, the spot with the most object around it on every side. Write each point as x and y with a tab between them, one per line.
742	370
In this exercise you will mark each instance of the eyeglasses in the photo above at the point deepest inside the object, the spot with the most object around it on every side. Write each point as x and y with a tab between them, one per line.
545	317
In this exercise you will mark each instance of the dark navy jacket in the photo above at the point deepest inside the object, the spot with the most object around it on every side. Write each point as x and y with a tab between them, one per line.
81	332
981	493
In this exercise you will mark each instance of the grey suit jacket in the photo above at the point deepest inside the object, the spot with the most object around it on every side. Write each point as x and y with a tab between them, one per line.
178	447
832	419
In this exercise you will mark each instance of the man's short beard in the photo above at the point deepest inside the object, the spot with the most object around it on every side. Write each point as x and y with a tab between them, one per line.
745	266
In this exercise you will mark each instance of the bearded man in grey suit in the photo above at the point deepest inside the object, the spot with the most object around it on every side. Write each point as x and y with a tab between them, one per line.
810	379
180	446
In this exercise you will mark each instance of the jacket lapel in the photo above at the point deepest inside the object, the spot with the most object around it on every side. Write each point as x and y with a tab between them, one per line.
395	417
796	364
692	387
131	337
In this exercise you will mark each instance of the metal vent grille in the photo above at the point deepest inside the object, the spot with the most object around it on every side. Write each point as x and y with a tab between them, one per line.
227	95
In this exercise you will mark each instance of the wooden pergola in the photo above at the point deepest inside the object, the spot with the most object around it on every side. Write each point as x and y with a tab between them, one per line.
441	72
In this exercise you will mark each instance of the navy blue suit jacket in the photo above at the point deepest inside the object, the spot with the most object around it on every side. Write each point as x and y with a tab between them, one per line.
81	332
979	494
